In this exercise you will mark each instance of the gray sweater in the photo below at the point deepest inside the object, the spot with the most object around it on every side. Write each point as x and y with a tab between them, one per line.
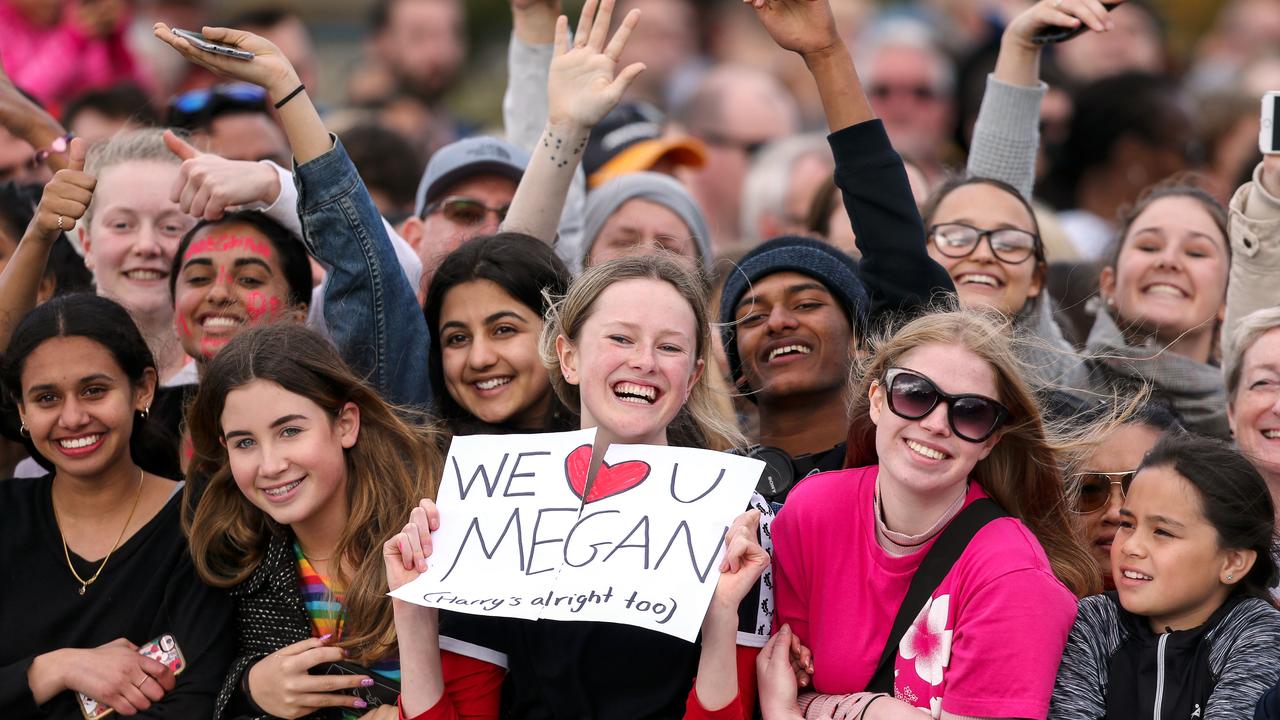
1244	658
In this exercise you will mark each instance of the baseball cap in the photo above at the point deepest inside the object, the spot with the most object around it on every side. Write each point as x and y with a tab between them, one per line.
630	139
466	158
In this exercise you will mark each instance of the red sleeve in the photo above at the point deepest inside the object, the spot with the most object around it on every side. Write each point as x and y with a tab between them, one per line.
472	690
745	705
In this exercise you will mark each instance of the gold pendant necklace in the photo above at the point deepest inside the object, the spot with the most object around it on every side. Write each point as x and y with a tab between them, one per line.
84	584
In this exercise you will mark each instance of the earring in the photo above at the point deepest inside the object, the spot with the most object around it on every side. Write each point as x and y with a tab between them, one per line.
144	413
1230	578
23	431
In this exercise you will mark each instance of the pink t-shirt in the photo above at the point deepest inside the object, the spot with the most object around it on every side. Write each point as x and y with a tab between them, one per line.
988	642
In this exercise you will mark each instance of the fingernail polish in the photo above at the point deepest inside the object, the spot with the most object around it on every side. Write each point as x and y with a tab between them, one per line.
361	704
367	682
325	637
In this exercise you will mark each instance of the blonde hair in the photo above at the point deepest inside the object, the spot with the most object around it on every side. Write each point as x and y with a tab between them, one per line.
146	144
1021	473
392	465
702	422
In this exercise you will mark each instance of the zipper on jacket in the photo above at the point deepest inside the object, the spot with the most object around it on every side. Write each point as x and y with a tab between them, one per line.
1160	676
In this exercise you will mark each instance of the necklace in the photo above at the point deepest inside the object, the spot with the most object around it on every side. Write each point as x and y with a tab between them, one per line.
84	584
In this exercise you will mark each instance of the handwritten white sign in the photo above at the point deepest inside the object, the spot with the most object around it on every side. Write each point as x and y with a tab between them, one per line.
522	533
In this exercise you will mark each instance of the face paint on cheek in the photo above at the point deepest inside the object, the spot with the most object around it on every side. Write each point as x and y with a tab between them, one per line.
261	307
184	327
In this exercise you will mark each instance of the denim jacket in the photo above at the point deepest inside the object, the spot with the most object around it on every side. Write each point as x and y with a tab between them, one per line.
371	311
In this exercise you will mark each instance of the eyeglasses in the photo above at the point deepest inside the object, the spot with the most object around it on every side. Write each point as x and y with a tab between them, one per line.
919	93
465	211
750	147
957	240
1092	489
972	417
197	107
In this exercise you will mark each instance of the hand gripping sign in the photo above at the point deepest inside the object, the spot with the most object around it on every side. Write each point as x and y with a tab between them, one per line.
525	533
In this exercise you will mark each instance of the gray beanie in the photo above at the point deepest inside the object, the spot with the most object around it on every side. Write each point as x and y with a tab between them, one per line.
657	188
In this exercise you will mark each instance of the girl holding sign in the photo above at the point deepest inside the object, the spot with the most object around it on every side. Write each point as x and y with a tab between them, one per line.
630	342
308	467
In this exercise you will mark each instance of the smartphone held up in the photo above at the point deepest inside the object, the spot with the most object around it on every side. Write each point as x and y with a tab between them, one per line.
1269	135
207	45
1051	35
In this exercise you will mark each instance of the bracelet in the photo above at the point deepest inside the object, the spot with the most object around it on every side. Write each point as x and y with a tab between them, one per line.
289	97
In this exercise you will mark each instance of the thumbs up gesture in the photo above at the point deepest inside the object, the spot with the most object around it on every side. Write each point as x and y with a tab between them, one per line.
66	197
207	184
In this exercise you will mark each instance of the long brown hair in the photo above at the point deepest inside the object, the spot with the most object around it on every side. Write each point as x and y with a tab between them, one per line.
392	465
1021	473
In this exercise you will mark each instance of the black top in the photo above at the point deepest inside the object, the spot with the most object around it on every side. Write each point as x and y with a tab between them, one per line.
148	589
896	269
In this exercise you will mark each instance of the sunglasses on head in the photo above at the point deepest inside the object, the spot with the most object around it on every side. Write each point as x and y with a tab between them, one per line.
465	211
193	108
913	396
1092	489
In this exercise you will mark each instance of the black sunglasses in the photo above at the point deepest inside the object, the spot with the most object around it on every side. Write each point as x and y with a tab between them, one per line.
971	417
1092	489
197	108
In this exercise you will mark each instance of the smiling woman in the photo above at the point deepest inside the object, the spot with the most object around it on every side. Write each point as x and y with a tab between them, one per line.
116	572
484	309
233	273
1164	288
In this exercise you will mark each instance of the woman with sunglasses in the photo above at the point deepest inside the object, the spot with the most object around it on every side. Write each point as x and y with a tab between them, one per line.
1097	490
1191	630
941	419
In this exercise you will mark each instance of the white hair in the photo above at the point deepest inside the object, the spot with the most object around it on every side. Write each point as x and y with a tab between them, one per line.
764	191
904	32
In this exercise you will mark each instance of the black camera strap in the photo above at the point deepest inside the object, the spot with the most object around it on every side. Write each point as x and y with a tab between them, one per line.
944	553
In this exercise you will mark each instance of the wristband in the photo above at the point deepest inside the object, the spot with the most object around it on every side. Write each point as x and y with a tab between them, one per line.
290	96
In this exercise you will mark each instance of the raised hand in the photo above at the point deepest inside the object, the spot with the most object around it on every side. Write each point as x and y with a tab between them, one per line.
207	184
268	68
115	674
405	555
280	684
801	26
66	197
584	83
1055	13
534	21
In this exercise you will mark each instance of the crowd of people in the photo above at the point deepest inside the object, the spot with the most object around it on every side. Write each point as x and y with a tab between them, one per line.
1006	340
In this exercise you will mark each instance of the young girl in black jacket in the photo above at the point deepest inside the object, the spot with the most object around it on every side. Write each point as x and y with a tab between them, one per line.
1191	631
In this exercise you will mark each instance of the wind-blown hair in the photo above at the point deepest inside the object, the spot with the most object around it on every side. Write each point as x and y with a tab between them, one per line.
1021	473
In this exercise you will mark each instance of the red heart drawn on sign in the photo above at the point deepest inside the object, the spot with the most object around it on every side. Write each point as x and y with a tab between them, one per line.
610	479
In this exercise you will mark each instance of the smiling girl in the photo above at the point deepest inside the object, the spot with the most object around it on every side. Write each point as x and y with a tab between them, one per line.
628	346
484	309
1164	288
97	542
1191	630
942	419
233	273
309	471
